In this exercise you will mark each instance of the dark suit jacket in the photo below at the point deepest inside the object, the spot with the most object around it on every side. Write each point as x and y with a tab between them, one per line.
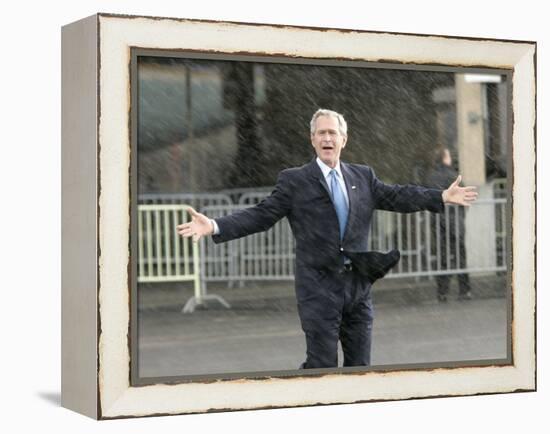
303	196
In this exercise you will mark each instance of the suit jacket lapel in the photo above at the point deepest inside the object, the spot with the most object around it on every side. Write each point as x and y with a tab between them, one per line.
351	187
317	173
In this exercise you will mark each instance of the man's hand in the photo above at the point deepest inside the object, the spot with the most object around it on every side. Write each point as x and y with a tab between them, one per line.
459	195
199	226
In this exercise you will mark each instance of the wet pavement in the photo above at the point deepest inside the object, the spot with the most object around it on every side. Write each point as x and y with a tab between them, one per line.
261	331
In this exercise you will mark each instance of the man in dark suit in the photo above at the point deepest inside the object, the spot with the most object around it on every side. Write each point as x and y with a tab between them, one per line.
329	205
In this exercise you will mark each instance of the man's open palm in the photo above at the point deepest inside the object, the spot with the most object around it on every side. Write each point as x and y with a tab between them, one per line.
199	226
458	195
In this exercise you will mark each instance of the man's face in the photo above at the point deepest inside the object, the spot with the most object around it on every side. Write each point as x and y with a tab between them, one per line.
327	140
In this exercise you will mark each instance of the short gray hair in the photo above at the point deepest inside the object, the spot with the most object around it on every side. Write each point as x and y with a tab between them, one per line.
342	125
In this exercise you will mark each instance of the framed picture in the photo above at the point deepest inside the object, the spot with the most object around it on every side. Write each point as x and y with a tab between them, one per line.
164	118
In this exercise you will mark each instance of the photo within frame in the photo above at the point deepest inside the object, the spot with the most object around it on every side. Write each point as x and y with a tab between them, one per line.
213	133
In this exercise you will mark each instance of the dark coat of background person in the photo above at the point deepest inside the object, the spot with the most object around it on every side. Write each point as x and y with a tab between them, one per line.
451	232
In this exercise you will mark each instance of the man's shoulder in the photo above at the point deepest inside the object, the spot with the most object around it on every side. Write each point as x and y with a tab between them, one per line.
357	166
296	171
359	169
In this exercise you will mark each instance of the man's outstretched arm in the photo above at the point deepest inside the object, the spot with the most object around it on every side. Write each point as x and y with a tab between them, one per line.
244	222
412	198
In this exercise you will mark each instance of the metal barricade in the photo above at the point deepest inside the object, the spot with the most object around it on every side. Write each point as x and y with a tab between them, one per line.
430	244
164	256
196	200
236	194
266	255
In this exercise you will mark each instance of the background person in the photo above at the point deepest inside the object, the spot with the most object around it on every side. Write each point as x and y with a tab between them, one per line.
450	230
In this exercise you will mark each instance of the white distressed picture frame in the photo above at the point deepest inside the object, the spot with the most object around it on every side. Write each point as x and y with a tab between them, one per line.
96	216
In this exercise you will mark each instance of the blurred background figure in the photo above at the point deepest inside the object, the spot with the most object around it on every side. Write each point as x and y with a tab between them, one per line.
450	230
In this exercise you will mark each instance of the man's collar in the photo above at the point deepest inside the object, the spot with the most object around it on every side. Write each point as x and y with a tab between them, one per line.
326	169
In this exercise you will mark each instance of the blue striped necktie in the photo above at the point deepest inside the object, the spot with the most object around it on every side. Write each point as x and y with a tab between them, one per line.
340	203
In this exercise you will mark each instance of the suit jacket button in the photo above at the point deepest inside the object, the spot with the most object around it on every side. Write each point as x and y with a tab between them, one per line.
341	249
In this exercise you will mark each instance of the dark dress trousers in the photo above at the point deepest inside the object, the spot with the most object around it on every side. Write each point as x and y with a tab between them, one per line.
334	299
